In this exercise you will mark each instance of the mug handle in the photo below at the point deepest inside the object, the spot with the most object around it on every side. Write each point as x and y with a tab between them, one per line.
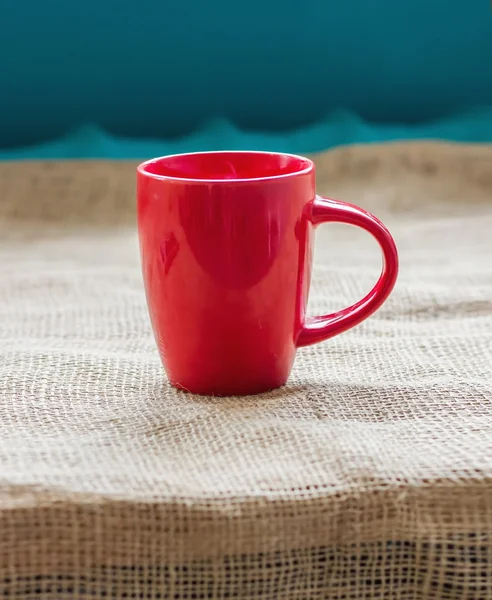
326	210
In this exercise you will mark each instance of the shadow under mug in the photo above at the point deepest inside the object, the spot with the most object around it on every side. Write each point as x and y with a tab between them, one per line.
226	243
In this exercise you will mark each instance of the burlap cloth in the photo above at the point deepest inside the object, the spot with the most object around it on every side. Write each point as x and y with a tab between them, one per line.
368	476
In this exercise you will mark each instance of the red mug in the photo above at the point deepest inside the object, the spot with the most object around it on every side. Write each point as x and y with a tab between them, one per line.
226	243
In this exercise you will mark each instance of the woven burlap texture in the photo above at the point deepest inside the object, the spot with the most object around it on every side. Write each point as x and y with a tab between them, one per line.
368	476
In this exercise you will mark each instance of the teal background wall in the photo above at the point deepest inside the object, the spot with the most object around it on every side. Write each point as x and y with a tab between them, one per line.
162	69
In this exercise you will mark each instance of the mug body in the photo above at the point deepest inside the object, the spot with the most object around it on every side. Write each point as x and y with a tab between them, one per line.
226	248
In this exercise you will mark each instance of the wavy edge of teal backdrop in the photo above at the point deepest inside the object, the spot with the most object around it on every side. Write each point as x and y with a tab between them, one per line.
339	128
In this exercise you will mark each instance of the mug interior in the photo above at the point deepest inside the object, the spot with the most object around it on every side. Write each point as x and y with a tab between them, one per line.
220	166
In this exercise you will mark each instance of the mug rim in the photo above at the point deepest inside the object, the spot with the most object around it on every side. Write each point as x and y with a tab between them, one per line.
308	168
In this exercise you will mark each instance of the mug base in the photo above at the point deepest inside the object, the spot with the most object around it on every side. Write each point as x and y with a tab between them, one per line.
229	391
